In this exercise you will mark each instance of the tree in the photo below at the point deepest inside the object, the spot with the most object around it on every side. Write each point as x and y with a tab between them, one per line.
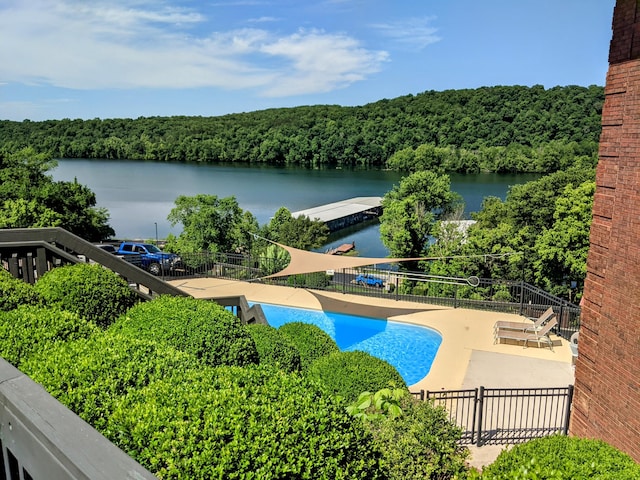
30	198
562	249
411	209
211	224
300	232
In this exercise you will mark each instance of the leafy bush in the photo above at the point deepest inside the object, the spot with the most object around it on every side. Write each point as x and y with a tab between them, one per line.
310	280
91	291
29	329
559	457
275	348
91	376
252	422
15	292
348	374
311	341
200	327
419	443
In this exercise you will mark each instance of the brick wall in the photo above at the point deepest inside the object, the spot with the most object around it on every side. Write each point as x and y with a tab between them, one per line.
607	394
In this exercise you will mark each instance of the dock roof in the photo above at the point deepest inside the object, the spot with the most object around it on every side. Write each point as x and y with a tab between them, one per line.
336	210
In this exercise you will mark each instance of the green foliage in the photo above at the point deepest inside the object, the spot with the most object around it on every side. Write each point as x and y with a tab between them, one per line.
29	329
385	402
91	291
514	157
275	348
310	340
410	210
15	292
562	249
252	422
199	327
301	232
309	280
420	443
501	128
211	224
91	376
348	374
560	457
273	259
546	222
30	198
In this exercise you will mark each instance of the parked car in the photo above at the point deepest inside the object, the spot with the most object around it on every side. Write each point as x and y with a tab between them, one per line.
369	280
107	247
152	259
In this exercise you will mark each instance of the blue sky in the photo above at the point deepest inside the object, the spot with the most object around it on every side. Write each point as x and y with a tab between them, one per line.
131	58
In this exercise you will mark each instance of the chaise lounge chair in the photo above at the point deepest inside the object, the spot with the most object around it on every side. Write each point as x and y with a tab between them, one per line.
541	335
526	326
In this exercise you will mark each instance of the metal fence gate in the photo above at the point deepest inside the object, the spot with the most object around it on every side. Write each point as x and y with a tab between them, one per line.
505	415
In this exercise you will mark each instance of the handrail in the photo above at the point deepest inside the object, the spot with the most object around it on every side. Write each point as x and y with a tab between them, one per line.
41	438
53	238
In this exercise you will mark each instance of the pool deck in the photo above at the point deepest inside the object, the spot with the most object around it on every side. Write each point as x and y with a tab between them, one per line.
467	357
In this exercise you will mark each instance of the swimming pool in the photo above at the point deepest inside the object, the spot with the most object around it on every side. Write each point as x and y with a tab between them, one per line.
409	348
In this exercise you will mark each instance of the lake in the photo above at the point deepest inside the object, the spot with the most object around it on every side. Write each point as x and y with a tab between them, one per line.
139	195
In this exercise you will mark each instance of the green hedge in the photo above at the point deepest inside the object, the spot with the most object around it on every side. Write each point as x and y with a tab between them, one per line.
91	376
15	292
200	327
275	348
420	443
91	291
30	328
348	374
251	423
311	341
559	457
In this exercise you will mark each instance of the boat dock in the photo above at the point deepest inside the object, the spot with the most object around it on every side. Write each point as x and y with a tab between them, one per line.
345	213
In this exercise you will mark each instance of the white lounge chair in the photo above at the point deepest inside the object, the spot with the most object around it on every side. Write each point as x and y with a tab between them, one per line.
526	325
541	336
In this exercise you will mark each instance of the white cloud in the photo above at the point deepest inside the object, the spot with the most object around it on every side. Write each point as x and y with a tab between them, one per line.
112	44
415	32
321	62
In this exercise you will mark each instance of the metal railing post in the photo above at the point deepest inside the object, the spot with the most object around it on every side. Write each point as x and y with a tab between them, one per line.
480	411
567	412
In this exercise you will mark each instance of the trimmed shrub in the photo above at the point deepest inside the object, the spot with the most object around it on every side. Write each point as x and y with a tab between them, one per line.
15	292
91	291
275	348
348	374
91	376
29	329
420	443
559	457
253	422
311	341
199	327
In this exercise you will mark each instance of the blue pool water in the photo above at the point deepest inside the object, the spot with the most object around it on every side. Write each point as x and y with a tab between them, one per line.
409	348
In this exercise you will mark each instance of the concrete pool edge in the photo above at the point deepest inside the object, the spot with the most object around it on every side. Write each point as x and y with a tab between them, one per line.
463	331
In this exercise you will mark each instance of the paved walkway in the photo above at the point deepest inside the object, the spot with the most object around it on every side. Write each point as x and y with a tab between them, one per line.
467	357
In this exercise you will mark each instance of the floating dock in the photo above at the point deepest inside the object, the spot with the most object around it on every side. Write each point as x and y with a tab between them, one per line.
345	213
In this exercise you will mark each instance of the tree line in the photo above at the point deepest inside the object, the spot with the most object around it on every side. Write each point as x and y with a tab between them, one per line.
502	128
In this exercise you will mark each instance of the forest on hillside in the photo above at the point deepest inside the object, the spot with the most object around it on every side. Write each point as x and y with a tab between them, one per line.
502	128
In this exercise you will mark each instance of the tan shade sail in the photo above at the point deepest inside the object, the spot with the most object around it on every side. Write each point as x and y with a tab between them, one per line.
303	261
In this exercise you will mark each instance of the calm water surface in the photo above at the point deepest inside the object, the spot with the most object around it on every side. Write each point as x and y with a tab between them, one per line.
139	195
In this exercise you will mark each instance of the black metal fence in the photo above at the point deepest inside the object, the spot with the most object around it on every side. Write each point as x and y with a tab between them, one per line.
505	415
509	296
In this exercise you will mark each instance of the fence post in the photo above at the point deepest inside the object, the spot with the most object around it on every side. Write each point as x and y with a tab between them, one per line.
480	403
567	412
455	296
521	297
